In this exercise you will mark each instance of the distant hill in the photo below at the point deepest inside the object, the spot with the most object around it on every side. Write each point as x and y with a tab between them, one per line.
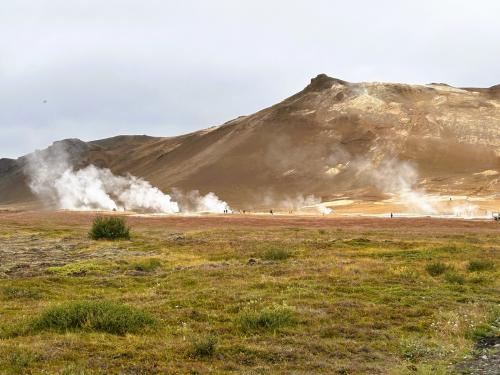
323	140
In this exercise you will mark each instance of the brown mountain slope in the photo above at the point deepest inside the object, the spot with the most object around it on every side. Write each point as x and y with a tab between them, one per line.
326	140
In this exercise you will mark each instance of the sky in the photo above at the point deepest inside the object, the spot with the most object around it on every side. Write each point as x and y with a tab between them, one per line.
93	69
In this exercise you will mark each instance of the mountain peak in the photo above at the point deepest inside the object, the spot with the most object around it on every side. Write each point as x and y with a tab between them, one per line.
323	82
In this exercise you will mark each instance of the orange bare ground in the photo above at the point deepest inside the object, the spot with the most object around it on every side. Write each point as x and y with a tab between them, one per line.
178	222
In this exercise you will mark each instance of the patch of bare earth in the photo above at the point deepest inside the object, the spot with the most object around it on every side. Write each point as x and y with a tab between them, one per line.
486	360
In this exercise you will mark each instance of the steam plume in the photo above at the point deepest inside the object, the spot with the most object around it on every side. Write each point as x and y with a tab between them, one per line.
193	201
53	178
465	210
396	178
298	203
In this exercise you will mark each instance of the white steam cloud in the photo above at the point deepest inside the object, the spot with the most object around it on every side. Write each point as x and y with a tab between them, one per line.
465	210
193	201
324	210
54	180
298	204
398	179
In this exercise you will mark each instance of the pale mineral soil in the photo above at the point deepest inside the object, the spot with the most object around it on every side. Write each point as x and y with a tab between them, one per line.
358	293
449	206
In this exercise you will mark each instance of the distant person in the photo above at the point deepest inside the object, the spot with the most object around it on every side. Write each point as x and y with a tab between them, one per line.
392	215
271	212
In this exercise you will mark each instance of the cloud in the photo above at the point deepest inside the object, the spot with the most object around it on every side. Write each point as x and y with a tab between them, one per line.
170	67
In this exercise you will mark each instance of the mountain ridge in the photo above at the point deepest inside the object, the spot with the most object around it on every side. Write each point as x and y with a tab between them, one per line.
314	142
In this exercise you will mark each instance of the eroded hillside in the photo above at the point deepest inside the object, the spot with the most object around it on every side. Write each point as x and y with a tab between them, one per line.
334	139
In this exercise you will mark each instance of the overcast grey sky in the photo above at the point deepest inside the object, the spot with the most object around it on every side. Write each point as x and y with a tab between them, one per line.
109	67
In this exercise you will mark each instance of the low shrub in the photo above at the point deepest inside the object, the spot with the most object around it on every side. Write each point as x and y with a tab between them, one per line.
276	254
454	278
487	329
109	228
479	279
204	347
101	316
147	265
436	269
266	319
482	331
480	265
416	350
20	360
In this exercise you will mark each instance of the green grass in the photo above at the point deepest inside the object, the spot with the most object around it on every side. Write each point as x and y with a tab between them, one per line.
490	327
76	269
147	265
101	316
19	361
276	254
416	350
454	278
271	318
353	300
359	242
20	293
109	228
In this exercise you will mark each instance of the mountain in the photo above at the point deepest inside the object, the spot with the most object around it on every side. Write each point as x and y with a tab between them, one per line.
333	139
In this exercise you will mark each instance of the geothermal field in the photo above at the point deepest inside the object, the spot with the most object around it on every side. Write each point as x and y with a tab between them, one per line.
349	229
253	293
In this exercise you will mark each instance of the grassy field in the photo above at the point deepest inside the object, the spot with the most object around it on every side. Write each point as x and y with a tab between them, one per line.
219	295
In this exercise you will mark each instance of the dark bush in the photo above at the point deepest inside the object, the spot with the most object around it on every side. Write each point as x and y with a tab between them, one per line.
109	228
204	347
102	316
454	278
436	269
480	265
276	254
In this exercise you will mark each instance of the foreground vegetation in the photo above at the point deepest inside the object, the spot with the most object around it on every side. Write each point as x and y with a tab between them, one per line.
249	300
109	228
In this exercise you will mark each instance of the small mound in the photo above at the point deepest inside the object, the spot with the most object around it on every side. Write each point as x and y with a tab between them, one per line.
103	316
